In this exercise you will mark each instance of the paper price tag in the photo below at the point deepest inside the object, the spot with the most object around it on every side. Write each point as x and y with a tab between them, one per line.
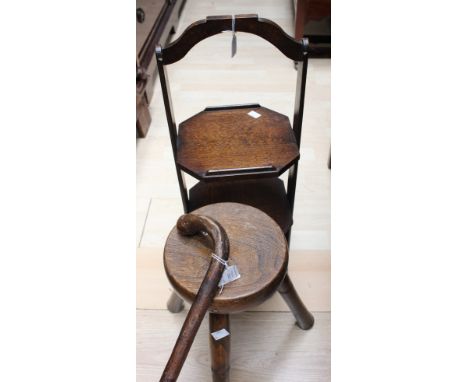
234	38
233	45
254	114
230	274
220	334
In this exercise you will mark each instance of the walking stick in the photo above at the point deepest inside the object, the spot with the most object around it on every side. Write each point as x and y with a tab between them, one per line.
189	225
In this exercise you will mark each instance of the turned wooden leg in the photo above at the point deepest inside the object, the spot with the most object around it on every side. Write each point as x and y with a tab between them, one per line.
304	319
175	304
221	349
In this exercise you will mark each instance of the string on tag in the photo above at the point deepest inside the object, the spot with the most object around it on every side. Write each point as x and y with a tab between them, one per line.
219	259
234	38
222	261
230	272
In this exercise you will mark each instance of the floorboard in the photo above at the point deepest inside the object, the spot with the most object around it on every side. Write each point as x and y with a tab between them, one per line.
265	347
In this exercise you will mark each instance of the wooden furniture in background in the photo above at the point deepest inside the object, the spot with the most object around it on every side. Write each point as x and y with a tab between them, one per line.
237	152
257	246
313	19
155	21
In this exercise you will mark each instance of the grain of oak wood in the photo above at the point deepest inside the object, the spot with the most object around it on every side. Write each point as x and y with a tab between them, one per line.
256	244
233	139
257	247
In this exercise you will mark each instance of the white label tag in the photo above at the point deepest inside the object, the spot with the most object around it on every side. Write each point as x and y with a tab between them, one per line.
254	114
220	334
230	274
234	38
233	45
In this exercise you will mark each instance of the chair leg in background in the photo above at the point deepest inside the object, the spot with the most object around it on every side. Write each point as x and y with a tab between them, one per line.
175	304
304	319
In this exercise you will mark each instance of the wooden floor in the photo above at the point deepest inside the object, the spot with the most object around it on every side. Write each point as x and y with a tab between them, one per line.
265	346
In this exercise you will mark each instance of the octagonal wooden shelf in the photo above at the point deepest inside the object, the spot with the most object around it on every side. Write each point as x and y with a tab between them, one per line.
227	141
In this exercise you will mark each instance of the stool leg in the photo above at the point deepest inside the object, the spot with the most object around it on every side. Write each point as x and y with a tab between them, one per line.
304	319
175	304
221	349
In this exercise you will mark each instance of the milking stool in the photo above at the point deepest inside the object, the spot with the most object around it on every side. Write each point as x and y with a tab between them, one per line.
258	247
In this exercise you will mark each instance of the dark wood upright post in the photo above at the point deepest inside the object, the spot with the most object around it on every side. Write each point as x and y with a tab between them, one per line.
297	121
172	125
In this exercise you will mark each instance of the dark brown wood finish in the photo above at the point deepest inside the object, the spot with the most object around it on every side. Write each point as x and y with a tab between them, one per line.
172	129
230	107
314	11
297	126
188	225
156	20
257	247
304	319
148	16
143	116
161	20
300	97
230	143
213	25
245	169
268	195
143	120
220	349
228	175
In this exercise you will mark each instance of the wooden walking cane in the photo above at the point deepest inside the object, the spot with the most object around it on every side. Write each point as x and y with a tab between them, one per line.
189	225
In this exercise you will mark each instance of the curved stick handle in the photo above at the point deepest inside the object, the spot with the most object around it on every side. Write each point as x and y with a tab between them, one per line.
189	225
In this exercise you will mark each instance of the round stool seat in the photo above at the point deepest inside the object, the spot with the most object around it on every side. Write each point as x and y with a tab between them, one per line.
257	247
